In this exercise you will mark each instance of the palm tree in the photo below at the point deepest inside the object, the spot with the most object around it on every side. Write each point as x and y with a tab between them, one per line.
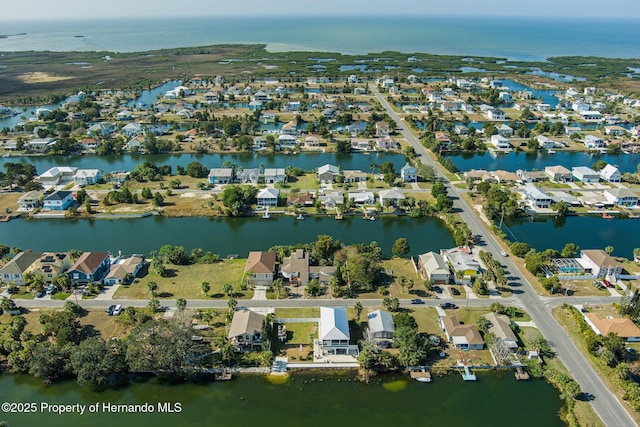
609	250
232	304
181	303
153	287
357	309
227	288
205	288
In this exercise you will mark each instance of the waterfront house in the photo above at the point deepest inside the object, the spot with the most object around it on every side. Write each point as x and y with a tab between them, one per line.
593	142
58	201
312	142
381	328
502	176
90	267
245	331
334	331
500	142
461	130
382	129
624	328
570	130
50	265
362	197
409	173
505	97
536	198
14	269
354	176
545	143
621	197
301	199
57	175
501	329
295	268
506	131
124	270
394	195
255	106
558	173
331	199
464	265
102	129
591	116
290	128
463	337
599	263
85	177
615	130
248	176
531	176
262	266
327	173
89	145
220	176
273	175
433	266
610	173
287	142
585	175
40	145
30	201
268	197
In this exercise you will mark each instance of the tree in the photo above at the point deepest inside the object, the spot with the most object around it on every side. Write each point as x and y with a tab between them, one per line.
48	361
92	361
480	286
239	198
158	200
357	310
629	305
609	250
636	254
153	287
181	303
561	208
599	165
520	249
205	287
570	250
400	247
391	304
197	170
161	346
232	303
227	288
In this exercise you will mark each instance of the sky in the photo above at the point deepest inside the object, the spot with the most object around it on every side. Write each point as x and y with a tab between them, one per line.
91	9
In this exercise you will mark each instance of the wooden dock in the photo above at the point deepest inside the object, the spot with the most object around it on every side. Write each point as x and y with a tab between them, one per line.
422	376
5	218
521	374
224	375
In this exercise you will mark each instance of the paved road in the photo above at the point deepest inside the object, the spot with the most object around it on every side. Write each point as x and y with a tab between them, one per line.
605	403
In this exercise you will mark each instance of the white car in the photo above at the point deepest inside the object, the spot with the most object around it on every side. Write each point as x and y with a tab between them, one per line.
503	253
117	310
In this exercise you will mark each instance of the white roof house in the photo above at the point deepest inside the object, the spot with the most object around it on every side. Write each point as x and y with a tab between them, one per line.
500	142
381	326
268	197
585	174
611	173
394	194
87	176
334	325
536	198
621	196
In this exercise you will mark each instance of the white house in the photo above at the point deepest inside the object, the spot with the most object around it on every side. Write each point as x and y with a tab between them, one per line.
621	197
381	327
362	197
328	173
87	176
394	195
545	142
268	197
537	198
57	175
433	266
505	130
500	142
558	173
463	337
585	174
496	114
334	331
408	173
610	173
592	142
273	175
599	263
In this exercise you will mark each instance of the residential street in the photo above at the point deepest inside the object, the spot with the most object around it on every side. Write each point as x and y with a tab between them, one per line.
605	403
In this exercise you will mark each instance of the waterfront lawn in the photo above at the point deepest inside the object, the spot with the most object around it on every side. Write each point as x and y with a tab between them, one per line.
427	320
308	181
606	373
98	321
298	335
185	282
399	267
9	201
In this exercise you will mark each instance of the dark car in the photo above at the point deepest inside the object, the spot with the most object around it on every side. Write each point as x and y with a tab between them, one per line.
40	294
448	306
416	301
437	289
111	309
455	291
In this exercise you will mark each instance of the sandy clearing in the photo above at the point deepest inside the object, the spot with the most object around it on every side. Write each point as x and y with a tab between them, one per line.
40	77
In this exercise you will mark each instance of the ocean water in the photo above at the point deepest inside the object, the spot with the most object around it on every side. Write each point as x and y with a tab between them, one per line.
526	39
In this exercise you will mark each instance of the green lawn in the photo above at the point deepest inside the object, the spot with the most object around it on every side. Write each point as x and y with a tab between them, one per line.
297	312
306	182
185	282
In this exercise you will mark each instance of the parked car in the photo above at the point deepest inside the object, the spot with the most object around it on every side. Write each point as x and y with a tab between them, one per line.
503	253
51	290
111	309
448	306
437	289
416	301
117	310
40	294
455	291
607	283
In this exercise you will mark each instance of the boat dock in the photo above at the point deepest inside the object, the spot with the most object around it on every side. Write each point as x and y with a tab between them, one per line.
420	374
467	375
521	374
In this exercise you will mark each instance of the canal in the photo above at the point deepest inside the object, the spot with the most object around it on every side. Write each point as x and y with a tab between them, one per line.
538	161
220	235
306	161
588	232
496	399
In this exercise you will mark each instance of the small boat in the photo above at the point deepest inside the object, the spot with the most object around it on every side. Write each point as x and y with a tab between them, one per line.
300	216
606	215
551	151
373	218
266	215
